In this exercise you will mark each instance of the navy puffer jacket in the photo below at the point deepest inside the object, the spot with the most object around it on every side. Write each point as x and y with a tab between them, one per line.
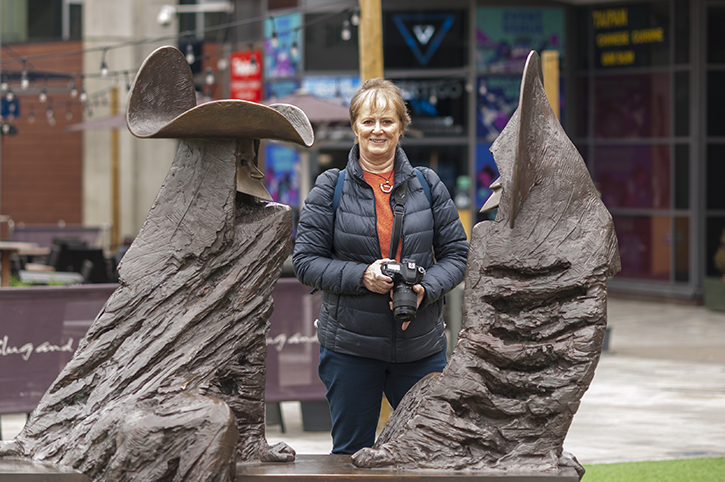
354	320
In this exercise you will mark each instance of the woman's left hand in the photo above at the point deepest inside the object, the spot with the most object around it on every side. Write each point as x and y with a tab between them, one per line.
419	294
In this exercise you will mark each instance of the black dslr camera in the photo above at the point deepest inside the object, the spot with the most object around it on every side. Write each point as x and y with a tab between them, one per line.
405	275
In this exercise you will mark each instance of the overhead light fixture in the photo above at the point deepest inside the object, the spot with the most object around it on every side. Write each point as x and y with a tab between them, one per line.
168	12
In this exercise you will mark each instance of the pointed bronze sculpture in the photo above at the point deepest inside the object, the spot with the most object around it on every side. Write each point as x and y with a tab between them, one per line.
169	382
534	315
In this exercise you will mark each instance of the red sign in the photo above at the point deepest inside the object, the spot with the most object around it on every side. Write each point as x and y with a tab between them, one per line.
245	73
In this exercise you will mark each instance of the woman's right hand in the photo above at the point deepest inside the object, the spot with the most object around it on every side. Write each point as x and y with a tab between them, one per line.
375	281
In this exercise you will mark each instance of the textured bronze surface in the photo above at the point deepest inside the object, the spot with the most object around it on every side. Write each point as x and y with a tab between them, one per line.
534	315
163	104
168	383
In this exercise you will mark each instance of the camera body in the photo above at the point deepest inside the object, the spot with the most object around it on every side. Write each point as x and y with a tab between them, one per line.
404	275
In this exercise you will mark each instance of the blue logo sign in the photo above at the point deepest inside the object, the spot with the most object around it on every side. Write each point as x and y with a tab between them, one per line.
424	32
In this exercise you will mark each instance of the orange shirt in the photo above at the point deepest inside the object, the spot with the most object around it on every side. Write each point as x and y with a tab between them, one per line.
383	210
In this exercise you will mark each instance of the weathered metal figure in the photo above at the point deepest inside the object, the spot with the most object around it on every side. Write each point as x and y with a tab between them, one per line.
534	315
169	382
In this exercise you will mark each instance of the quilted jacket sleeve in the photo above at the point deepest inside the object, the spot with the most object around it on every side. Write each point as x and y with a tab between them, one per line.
313	260
450	245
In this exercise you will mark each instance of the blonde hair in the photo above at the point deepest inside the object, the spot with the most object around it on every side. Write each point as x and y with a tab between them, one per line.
379	93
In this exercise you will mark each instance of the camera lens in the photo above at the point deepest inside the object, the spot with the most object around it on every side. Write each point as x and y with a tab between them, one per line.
405	302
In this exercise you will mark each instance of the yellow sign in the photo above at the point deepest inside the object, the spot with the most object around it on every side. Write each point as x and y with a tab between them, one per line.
617	41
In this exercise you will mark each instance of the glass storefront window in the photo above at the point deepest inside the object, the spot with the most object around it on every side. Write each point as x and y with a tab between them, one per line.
713	231
682	249
715	101
682	31
633	176
582	126
631	35
715	34
632	106
645	245
682	176
715	174
682	103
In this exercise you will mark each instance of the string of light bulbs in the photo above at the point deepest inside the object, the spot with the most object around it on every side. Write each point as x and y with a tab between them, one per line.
25	76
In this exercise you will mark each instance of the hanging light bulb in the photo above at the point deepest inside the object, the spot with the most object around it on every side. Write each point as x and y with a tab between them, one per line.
222	64
4	84
209	77
104	65
43	96
73	89
346	34
190	57
253	61
355	17
274	40
68	112
6	129
50	115
128	82
10	95
24	80
295	49
84	96
31	115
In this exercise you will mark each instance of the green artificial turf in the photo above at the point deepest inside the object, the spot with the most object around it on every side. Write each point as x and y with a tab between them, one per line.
682	470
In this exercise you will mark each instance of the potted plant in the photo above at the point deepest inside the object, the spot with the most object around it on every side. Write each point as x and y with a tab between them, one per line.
714	287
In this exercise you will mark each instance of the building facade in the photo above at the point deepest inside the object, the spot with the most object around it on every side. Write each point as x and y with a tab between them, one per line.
639	95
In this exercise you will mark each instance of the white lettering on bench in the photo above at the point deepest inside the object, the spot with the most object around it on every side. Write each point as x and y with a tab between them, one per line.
26	350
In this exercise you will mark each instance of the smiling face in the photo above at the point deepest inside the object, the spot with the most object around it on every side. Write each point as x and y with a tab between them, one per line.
378	129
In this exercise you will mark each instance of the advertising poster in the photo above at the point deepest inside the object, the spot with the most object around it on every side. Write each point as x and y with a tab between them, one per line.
245	75
338	90
505	36
280	88
282	56
486	173
282	166
498	98
432	39
635	35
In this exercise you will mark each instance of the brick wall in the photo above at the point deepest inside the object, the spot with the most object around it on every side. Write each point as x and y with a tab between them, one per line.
41	166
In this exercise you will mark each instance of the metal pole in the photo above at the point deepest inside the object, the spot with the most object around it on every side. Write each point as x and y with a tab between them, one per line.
370	35
115	170
550	67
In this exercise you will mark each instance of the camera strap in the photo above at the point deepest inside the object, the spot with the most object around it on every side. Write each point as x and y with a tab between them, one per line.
399	196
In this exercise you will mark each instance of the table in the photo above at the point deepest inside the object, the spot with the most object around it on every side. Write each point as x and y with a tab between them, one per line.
7	248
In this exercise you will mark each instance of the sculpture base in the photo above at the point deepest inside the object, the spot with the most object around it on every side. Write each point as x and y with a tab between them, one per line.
20	470
311	468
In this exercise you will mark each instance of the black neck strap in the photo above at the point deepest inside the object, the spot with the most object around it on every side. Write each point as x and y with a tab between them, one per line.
400	196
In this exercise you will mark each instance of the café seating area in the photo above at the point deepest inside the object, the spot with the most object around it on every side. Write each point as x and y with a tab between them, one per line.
54	254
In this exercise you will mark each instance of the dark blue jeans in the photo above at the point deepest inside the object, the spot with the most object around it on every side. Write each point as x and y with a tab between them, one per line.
355	388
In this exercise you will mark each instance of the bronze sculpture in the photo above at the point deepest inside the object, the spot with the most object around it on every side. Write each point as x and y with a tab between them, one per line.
534	315
169	382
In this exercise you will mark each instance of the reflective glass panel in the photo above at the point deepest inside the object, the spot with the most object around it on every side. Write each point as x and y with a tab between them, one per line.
682	249
632	106
713	233
633	176
645	245
715	174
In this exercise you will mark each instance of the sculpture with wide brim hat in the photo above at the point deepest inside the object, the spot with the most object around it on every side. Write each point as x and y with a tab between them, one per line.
162	104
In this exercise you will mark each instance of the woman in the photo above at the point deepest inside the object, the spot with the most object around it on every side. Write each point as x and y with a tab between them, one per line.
364	351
